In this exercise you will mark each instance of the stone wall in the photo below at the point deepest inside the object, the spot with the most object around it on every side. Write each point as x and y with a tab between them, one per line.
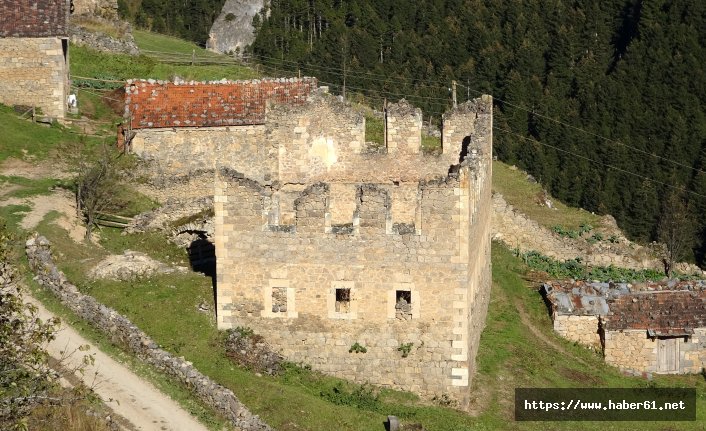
633	350
630	350
124	332
693	352
34	72
100	34
579	329
518	231
178	152
107	9
346	246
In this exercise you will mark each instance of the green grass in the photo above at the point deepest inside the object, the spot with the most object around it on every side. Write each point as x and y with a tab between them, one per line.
23	139
524	196
30	187
510	354
89	63
147	40
13	214
374	131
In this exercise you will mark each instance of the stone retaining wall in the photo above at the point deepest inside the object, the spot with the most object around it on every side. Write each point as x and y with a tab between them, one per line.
580	329
121	330
518	231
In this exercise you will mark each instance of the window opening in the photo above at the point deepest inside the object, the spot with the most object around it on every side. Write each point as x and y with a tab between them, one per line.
343	300
403	304
279	299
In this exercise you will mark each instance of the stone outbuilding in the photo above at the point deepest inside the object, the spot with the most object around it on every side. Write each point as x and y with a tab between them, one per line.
34	54
644	327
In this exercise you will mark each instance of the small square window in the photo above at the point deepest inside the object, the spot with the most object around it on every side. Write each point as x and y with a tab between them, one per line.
403	304
279	299
343	300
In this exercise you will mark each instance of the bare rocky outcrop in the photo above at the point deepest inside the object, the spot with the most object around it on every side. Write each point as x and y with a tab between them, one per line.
123	331
107	9
233	31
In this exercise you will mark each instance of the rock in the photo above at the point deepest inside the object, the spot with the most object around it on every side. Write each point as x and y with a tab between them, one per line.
232	31
128	266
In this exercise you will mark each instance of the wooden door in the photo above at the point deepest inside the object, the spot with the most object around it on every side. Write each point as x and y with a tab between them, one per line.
667	355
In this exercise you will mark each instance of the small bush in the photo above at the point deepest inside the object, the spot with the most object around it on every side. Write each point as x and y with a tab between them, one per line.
230	17
362	397
405	348
357	348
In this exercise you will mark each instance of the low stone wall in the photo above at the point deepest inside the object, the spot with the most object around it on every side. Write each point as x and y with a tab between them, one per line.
83	32
121	330
580	329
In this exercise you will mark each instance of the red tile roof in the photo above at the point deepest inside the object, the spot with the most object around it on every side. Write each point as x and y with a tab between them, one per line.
660	312
155	104
34	18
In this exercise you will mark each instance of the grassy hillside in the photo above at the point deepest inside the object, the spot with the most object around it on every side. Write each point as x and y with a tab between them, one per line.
20	138
518	347
526	196
162	57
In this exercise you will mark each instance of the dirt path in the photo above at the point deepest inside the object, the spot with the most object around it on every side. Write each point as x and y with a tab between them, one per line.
137	401
59	200
527	322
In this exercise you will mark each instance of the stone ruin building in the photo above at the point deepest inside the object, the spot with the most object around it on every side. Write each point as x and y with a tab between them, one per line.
367	264
34	54
654	327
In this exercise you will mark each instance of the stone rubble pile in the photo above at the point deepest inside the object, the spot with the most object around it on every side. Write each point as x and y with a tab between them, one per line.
129	266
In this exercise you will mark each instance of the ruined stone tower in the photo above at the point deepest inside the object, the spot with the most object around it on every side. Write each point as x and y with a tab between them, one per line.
366	263
343	250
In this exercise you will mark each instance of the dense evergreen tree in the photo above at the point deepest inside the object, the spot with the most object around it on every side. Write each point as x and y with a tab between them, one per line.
605	99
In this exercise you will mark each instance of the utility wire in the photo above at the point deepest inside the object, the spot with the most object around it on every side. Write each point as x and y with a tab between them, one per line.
595	135
272	62
598	162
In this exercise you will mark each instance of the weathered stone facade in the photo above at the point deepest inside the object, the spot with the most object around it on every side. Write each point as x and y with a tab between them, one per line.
34	55
635	350
344	247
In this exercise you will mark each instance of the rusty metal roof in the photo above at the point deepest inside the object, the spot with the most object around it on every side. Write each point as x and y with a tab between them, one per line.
665	308
670	313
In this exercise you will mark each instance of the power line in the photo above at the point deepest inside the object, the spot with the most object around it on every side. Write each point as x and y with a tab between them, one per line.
595	135
609	166
390	80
